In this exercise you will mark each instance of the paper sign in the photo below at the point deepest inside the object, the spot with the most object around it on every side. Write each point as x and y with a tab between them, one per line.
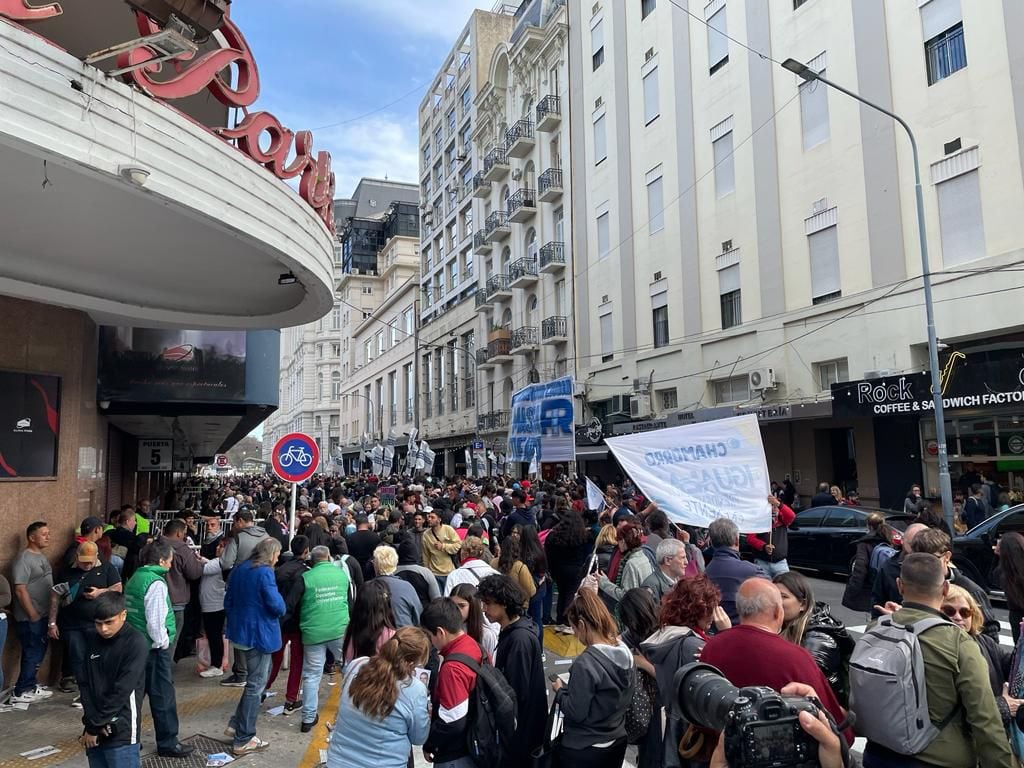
700	472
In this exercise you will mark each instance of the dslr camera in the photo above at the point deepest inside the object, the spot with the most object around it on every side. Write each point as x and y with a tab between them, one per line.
762	727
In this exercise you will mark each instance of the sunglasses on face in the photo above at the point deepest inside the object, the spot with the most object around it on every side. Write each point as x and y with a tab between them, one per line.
949	610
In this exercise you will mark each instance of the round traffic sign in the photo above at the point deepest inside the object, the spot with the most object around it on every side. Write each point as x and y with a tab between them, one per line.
295	457
221	460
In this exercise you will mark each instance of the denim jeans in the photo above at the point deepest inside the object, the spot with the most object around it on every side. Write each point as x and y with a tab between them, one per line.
536	608
459	762
248	709
124	756
772	569
162	700
32	636
313	657
77	640
3	639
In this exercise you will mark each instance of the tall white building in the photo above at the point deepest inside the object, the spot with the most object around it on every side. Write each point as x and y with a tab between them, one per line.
745	240
448	407
522	243
315	356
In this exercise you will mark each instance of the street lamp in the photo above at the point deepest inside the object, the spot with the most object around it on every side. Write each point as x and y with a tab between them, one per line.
945	487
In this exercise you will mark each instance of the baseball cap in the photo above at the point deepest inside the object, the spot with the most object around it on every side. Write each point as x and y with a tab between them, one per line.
89	525
88	552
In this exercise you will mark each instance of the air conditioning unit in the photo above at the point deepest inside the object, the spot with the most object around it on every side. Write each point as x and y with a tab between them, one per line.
640	407
640	385
619	404
761	379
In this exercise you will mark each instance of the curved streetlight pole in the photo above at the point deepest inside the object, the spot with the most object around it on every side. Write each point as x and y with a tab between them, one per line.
945	486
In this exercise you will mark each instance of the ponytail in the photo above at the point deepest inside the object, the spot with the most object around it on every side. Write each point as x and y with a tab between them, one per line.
375	688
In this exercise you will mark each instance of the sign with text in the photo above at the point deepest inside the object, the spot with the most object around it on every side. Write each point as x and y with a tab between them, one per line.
29	424
388	495
156	454
542	428
699	472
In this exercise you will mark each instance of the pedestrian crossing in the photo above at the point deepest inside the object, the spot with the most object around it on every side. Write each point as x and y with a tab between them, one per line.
1005	632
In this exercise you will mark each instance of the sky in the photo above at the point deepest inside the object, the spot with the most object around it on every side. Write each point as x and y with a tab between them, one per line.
326	61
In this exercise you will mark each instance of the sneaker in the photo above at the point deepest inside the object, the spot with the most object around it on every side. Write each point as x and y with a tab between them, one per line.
67	685
233	681
212	672
77	702
307	727
31	695
229	732
255	744
179	750
292	706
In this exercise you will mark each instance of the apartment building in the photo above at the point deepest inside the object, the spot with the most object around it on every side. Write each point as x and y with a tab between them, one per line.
447	410
318	357
522	243
747	241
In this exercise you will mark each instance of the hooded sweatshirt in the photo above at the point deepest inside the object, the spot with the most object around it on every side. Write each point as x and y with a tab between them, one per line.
113	686
668	649
518	657
595	701
241	545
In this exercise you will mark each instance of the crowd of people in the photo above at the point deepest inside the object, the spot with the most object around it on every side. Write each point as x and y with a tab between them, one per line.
427	601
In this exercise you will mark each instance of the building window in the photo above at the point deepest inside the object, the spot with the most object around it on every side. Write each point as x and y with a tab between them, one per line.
393	333
960	220
408	321
336	386
718	44
604	241
824	250
319	386
453	275
597	44
647	8
732	390
368	351
725	167
729	296
831	372
600	139
814	112
798	3
336	349
607	338
943	31
319	351
336	319
380	343
651	107
655	201
660	319
317	422
668	398
367	290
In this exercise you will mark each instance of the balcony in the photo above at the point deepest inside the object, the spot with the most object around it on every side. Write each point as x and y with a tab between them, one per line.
479	186
523	272
522	206
483	301
519	140
483	359
497	227
549	113
495	165
554	330
494	421
550	185
499	351
524	340
552	258
498	288
480	242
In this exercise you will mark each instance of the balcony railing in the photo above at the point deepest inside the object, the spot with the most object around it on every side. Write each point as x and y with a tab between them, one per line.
480	241
549	109
496	157
550	180
499	348
523	198
554	327
482	356
496	284
478	186
552	255
497	220
521	129
524	337
524	267
493	420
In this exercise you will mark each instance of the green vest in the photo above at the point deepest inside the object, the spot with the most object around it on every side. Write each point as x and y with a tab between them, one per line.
324	612
142	524
135	595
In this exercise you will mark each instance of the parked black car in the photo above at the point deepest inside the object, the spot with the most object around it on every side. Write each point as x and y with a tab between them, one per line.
823	537
973	554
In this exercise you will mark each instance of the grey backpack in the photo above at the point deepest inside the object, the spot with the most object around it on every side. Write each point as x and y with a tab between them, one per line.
887	686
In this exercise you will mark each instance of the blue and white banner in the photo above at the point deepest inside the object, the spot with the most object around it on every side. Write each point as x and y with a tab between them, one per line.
595	499
700	472
542	423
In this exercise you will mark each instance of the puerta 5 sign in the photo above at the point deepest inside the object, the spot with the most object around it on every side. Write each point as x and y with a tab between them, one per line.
989	379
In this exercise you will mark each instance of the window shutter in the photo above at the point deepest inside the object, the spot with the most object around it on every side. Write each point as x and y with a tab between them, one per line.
824	248
651	106
597	37
729	279
960	219
814	113
939	15
607	334
718	45
725	166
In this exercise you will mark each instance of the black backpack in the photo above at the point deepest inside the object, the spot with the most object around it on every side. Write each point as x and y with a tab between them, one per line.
491	722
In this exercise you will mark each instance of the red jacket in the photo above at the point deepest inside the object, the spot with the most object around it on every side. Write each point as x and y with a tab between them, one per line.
455	681
784	519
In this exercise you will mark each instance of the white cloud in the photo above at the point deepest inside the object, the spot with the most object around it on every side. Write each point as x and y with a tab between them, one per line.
376	147
439	19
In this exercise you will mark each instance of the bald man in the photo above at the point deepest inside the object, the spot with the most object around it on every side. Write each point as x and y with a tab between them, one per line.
754	653
884	592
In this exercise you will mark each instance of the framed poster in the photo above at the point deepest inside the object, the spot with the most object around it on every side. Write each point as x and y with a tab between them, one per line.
29	424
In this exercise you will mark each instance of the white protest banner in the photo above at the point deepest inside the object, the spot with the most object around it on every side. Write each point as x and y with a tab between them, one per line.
595	499
699	472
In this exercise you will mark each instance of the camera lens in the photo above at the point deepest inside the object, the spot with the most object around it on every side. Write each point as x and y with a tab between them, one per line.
704	696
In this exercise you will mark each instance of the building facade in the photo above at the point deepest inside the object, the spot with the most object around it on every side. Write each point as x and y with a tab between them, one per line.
316	358
522	242
746	240
449	396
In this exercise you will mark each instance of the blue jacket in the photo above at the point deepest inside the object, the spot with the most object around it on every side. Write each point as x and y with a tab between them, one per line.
252	606
726	571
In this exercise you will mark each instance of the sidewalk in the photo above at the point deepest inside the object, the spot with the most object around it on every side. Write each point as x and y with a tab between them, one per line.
204	707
